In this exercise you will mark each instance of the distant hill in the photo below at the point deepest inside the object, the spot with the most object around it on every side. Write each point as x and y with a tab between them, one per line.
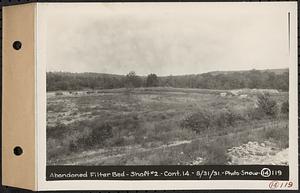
222	80
276	71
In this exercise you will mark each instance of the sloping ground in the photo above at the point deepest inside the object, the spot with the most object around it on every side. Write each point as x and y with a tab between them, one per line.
255	153
248	153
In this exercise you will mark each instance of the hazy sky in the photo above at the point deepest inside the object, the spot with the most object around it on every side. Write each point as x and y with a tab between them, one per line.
166	38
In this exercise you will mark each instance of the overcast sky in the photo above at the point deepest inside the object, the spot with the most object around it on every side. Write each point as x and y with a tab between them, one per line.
166	38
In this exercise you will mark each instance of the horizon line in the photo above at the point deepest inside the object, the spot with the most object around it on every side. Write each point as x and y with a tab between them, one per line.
88	72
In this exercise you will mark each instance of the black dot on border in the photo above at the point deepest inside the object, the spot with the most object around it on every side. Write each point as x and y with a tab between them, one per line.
18	151
17	45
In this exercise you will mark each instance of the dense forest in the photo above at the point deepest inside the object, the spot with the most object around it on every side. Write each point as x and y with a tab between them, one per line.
261	79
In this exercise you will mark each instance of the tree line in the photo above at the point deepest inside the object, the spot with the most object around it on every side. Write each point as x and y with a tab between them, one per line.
260	79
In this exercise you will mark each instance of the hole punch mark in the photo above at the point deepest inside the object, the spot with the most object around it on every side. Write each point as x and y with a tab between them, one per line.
17	45
18	151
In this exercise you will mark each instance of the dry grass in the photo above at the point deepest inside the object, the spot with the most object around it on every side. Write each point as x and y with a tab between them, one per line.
147	120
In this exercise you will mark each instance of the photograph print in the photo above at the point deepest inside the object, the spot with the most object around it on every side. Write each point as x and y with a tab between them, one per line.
167	84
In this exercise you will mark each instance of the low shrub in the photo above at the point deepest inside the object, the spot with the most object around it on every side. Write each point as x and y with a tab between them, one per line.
225	118
97	137
198	121
267	105
204	120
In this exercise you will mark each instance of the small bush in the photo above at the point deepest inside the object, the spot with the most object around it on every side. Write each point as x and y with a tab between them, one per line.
198	121
204	119
97	137
267	105
226	118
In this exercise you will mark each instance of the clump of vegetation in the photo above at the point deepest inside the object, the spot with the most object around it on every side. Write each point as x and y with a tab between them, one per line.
199	121
255	114
56	108
59	93
285	108
97	137
279	134
225	118
267	105
152	80
203	120
132	80
216	154
57	131
117	141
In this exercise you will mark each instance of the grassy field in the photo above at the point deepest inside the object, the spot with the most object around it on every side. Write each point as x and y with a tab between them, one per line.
150	126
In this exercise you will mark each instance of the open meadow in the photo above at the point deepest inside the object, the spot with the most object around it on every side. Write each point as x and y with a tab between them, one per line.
167	126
